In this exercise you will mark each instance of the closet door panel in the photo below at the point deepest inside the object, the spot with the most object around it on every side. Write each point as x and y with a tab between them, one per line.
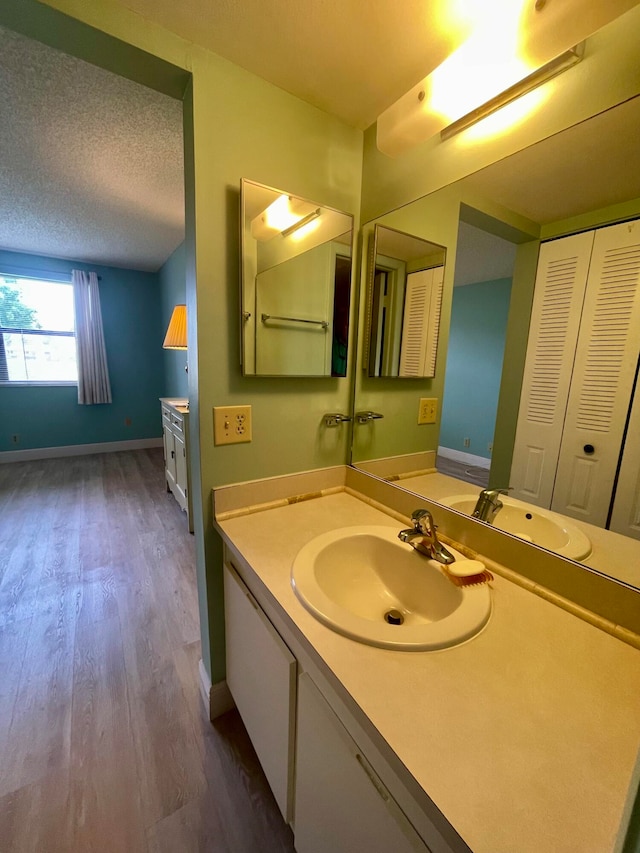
625	517
421	322
604	371
563	266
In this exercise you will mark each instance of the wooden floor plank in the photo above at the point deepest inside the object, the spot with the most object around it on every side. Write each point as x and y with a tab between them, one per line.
104	742
37	817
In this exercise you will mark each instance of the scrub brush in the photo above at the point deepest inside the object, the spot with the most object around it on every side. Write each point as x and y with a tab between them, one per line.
468	572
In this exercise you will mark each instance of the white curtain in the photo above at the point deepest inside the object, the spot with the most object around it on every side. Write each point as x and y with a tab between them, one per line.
93	374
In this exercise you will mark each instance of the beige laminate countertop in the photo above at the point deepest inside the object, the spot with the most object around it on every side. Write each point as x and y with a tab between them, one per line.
525	737
180	404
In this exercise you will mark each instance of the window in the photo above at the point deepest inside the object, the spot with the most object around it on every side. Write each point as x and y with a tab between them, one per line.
37	337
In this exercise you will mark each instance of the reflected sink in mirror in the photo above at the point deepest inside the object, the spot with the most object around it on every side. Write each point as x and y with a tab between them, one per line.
531	523
362	582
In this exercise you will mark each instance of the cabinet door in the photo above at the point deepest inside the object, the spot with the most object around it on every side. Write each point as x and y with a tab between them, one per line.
169	457
563	266
340	804
261	675
603	376
180	491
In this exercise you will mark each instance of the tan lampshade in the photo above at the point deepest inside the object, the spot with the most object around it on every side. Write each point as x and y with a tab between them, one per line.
176	337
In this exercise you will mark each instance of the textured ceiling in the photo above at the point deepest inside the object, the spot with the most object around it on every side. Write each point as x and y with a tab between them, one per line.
92	164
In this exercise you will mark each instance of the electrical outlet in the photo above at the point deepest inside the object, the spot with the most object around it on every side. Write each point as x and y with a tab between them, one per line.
467	442
490	446
427	410
15	438
231	424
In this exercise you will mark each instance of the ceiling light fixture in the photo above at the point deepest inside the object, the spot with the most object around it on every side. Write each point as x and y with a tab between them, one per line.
301	222
284	213
532	81
518	47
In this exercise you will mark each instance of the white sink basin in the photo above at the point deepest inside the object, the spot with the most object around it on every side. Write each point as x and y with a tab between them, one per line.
540	526
351	578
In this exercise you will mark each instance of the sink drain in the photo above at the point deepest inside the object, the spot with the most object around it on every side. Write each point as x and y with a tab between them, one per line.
394	617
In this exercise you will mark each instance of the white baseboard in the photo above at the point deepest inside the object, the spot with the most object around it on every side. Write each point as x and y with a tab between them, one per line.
467	458
217	697
205	686
77	449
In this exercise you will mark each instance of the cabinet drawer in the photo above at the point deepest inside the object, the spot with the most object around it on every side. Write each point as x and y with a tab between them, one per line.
177	422
261	675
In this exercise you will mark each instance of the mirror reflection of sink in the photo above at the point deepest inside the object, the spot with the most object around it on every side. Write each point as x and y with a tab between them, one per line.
364	583
531	523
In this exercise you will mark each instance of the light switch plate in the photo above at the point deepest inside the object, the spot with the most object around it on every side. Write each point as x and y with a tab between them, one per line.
231	424
428	410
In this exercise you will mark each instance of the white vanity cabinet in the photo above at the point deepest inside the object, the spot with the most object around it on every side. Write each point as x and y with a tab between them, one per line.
323	783
261	675
175	440
341	804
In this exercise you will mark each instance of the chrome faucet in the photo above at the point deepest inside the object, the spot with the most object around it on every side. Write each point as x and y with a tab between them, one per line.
422	536
488	504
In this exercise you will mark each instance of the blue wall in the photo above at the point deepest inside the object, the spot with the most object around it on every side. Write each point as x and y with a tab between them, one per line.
474	365
172	279
49	416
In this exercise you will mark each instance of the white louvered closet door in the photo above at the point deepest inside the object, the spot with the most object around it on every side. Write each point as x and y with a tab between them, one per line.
603	375
625	517
421	322
563	266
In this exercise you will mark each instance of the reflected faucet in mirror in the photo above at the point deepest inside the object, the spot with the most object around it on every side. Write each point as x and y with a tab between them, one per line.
489	504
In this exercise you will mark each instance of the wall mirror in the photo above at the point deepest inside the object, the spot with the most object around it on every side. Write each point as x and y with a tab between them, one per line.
404	294
575	181
295	284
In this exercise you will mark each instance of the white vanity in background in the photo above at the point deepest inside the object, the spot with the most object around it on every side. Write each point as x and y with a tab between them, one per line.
175	441
523	739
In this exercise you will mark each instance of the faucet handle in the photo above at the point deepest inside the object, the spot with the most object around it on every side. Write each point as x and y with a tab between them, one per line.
423	521
493	493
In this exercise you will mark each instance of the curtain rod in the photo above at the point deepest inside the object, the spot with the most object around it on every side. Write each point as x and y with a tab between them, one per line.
17	272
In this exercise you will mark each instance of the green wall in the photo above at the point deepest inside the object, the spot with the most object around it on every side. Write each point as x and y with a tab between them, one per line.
172	282
49	416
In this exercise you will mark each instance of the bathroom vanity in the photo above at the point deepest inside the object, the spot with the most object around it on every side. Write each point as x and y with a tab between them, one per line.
175	441
522	739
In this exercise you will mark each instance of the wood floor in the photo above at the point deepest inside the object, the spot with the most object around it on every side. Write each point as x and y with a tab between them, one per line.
463	471
104	742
